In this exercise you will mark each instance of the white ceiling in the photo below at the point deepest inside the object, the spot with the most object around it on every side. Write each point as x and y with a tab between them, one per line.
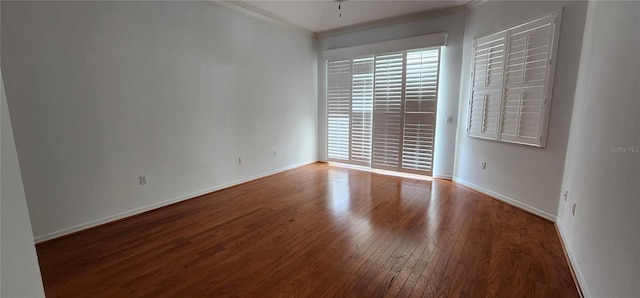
322	15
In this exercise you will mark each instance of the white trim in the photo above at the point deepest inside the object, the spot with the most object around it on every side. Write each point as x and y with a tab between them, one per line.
556	13
539	141
388	46
253	11
511	201
582	283
442	176
260	14
107	219
400	19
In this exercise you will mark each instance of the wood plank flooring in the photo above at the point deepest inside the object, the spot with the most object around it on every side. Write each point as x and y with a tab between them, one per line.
320	231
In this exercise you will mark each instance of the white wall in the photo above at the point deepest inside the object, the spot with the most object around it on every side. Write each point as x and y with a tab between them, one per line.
526	176
19	271
602	170
451	23
102	92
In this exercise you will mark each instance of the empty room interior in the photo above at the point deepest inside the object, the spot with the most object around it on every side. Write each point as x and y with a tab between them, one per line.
334	148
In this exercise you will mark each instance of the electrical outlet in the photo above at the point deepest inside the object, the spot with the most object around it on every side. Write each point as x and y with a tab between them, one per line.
574	209
449	119
566	195
484	165
240	160
142	180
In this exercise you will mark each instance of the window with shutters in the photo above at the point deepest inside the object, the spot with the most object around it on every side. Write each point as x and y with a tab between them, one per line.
382	110
511	82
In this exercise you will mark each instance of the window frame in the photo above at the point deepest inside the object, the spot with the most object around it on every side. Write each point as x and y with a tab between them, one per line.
403	112
541	139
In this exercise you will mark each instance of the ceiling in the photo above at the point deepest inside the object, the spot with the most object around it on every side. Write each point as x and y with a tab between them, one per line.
319	16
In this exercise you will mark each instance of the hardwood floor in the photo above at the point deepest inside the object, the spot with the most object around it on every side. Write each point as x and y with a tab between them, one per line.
318	230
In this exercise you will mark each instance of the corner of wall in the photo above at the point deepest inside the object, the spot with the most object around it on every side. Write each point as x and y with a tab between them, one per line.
19	273
602	165
580	281
511	201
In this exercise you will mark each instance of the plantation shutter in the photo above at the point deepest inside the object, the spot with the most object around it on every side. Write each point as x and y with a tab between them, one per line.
381	103
529	49
338	108
486	89
512	81
387	107
362	110
421	94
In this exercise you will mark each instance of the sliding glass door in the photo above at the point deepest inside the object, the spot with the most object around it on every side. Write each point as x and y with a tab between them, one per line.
382	110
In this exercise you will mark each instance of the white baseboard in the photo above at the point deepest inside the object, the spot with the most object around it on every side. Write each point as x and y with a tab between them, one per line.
107	219
441	176
581	282
508	200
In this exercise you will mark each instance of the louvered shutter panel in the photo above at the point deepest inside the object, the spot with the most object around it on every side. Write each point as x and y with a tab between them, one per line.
421	93
338	108
529	49
387	119
362	110
513	74
486	89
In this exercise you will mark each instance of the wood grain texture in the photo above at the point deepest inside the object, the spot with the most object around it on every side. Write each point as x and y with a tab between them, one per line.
318	230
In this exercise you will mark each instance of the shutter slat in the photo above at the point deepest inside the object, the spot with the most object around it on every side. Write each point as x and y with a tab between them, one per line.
338	108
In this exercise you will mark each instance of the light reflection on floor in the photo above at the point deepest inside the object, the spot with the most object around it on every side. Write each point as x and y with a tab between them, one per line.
411	194
339	198
339	202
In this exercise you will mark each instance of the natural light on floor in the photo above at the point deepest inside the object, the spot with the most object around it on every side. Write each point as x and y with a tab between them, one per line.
382	172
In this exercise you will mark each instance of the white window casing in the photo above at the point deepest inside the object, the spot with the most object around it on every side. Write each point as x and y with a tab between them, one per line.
385	47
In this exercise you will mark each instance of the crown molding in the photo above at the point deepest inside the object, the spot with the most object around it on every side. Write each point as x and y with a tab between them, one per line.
402	18
247	9
260	14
